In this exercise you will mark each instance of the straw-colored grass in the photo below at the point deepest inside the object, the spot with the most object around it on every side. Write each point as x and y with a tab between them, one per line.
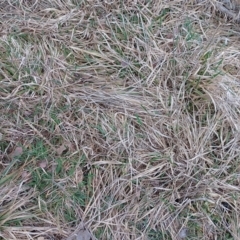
119	120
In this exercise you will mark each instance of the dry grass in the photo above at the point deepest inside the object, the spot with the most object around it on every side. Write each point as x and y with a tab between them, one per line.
119	117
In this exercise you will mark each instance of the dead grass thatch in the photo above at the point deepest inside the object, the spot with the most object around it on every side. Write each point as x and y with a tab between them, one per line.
119	119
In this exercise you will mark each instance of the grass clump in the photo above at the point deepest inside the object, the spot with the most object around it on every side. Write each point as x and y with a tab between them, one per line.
120	120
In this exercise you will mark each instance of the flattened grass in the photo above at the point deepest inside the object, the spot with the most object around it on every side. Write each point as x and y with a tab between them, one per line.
121	118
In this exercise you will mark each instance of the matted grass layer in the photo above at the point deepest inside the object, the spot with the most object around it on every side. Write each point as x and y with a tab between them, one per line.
119	117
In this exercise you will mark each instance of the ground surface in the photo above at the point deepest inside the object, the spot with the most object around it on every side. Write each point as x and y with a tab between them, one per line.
119	120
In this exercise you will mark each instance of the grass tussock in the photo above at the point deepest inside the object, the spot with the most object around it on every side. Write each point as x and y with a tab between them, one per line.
121	118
